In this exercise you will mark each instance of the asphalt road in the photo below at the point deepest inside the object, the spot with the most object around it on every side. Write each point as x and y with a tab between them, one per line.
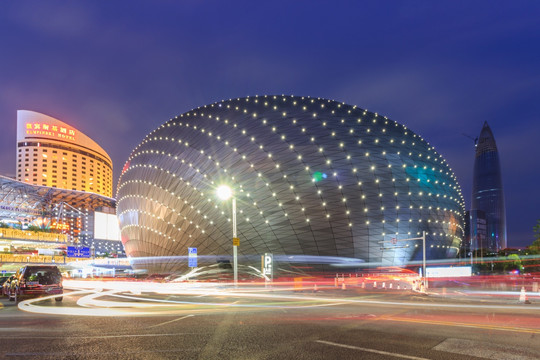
329	324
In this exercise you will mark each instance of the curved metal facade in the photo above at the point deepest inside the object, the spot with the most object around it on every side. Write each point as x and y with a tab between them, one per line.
311	177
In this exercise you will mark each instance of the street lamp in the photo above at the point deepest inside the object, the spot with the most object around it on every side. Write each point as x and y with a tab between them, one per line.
224	192
423	238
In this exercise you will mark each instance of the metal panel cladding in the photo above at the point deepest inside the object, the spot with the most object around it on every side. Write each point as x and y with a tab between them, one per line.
311	177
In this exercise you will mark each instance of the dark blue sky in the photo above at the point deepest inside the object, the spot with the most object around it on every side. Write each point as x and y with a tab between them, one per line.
118	69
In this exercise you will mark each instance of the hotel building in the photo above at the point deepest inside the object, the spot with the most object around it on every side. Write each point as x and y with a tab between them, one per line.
52	153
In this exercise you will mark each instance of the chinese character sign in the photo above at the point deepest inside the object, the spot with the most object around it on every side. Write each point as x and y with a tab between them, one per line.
51	131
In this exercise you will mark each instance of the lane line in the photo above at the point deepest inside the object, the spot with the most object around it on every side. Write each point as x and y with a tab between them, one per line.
458	324
403	356
79	354
98	336
168	322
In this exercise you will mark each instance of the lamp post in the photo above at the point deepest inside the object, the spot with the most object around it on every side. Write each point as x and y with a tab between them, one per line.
423	238
224	192
424	271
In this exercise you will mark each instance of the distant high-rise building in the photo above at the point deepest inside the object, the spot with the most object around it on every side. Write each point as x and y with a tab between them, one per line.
475	230
52	153
487	195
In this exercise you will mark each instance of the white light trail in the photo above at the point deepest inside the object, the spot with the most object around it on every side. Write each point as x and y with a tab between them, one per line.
149	302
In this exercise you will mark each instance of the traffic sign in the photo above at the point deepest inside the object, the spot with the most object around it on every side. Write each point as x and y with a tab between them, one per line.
192	256
236	241
268	265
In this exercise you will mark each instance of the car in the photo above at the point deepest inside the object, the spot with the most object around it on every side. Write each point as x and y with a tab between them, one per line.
36	280
6	285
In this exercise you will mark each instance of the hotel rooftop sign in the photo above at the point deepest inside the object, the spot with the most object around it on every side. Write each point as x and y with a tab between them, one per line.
40	129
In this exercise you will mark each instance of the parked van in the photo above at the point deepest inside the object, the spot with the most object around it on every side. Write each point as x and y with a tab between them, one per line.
36	280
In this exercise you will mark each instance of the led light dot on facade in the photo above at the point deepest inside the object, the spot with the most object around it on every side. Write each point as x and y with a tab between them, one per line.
290	154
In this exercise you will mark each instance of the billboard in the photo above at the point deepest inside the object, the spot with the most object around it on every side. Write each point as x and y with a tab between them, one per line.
445	271
106	226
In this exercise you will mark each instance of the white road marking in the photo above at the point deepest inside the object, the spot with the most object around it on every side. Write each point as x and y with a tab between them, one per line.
78	354
371	350
168	322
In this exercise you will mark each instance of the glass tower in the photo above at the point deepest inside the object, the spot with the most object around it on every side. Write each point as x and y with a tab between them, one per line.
487	193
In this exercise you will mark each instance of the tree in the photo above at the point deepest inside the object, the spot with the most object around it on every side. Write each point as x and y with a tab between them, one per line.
513	263
534	248
533	264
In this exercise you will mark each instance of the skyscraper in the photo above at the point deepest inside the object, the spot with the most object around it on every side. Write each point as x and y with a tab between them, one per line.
487	193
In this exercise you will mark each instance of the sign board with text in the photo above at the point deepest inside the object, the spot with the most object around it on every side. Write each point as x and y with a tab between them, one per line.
78	252
43	129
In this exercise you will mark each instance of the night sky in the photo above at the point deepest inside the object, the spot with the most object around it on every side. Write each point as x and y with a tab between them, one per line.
116	70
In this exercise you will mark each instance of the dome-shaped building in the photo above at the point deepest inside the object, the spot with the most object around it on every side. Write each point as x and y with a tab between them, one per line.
311	177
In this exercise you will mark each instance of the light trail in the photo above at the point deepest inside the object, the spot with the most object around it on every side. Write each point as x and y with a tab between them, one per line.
90	302
194	290
91	305
29	306
515	294
463	324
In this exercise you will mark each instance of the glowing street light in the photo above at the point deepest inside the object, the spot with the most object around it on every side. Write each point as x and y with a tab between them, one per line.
224	192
